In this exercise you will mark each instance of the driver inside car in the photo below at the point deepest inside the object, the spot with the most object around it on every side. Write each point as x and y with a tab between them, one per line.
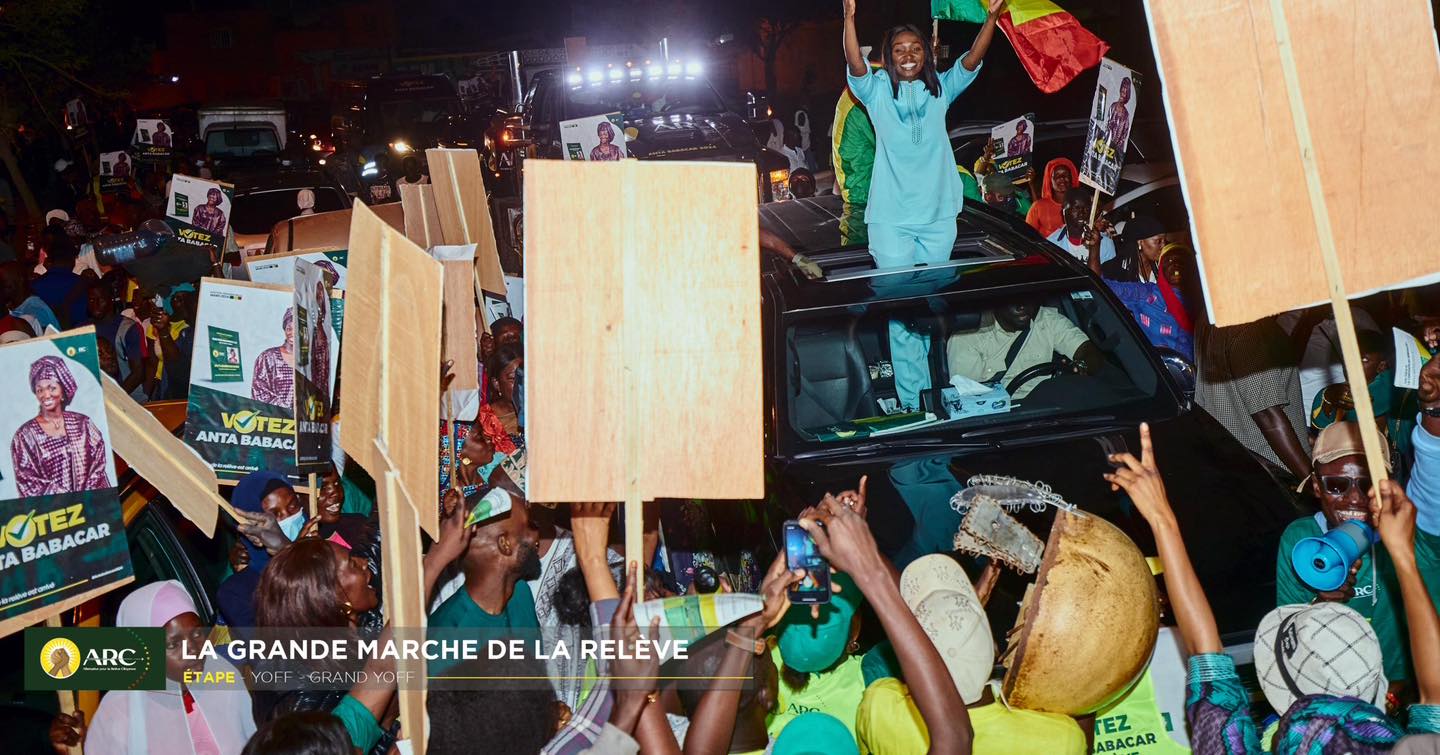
1016	337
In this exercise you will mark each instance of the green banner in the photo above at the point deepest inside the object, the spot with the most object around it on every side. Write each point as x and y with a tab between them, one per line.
53	547
973	11
101	658
225	358
237	435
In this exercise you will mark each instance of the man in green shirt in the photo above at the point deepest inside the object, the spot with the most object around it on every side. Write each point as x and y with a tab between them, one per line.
502	553
1341	482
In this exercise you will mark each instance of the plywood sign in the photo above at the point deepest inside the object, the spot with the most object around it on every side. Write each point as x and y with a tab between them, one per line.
422	220
642	331
1370	80
391	376
465	211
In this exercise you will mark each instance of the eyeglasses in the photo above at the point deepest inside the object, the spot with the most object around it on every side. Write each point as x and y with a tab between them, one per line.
1335	484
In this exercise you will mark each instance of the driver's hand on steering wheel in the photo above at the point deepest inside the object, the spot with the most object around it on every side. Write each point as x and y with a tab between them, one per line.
1088	360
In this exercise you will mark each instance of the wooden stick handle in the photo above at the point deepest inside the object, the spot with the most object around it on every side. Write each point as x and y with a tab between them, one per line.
1375	451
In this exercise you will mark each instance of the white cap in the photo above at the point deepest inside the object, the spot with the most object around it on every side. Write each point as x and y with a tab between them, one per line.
940	595
1318	649
60	215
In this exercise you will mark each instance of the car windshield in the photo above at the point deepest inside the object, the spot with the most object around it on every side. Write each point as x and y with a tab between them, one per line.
641	99
995	360
399	115
258	212
241	142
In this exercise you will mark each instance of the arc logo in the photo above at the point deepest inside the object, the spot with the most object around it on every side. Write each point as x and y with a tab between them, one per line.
104	658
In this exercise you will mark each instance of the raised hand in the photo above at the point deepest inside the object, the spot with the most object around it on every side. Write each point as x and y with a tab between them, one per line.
1140	478
849	6
1394	518
590	526
995	7
261	529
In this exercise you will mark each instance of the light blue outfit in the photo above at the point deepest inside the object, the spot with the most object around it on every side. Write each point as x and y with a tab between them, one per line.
915	195
1424	485
37	312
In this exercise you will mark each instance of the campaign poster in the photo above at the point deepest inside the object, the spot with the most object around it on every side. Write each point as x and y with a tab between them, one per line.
61	530
601	137
241	414
1014	143
77	118
317	359
1111	114
116	170
199	210
153	139
279	269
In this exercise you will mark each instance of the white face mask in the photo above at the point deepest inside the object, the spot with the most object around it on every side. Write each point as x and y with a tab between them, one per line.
291	525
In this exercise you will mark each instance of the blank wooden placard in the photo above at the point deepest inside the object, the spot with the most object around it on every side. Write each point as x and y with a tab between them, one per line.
1371	83
465	211
163	459
460	343
422	219
391	376
646	273
404	582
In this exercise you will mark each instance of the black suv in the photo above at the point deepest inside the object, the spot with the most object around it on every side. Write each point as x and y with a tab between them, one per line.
829	384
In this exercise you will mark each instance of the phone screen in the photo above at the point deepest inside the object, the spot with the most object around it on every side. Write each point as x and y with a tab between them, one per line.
801	553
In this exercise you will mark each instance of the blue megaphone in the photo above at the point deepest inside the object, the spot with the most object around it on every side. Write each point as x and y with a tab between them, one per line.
1324	562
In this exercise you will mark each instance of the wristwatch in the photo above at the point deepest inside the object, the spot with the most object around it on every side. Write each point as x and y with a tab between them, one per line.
756	645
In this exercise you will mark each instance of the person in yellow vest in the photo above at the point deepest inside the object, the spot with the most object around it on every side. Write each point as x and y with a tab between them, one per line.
939	593
1150	718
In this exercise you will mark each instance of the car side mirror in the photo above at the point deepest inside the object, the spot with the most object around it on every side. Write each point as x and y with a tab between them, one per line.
1181	370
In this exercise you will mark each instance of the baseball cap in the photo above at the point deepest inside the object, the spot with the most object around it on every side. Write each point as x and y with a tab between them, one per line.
997	183
1337	441
887	722
939	593
60	215
811	645
815	733
1318	649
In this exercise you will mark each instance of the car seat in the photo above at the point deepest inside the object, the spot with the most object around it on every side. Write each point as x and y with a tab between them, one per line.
830	376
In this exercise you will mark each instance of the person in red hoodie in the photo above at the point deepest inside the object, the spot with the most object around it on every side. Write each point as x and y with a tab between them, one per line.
1045	214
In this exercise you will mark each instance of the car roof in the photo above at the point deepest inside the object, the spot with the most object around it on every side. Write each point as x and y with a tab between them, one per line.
992	251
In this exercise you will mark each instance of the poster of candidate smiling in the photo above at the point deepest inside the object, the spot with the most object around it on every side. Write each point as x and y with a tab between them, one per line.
241	415
199	210
600	137
317	359
153	138
1111	114
1014	141
61	532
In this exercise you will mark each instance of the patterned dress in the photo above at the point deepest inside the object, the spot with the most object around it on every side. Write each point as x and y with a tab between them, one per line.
274	381
71	463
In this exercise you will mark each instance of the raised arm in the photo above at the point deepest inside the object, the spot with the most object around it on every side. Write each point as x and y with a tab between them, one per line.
846	542
1140	478
854	61
590	523
972	59
1396	519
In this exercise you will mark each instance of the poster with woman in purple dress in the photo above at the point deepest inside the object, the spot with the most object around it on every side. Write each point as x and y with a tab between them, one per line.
58	450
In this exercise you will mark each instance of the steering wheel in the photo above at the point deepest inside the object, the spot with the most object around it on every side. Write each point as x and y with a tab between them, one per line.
1055	366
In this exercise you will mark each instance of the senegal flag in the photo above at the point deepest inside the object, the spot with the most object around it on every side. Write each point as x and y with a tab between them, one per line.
1051	44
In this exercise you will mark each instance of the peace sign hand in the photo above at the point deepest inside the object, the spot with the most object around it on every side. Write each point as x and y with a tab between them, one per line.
1140	478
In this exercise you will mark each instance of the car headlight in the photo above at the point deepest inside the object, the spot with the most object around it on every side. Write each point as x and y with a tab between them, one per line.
400	146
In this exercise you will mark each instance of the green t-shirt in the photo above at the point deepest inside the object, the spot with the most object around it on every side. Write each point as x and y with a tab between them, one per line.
359	723
1385	612
459	610
837	692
